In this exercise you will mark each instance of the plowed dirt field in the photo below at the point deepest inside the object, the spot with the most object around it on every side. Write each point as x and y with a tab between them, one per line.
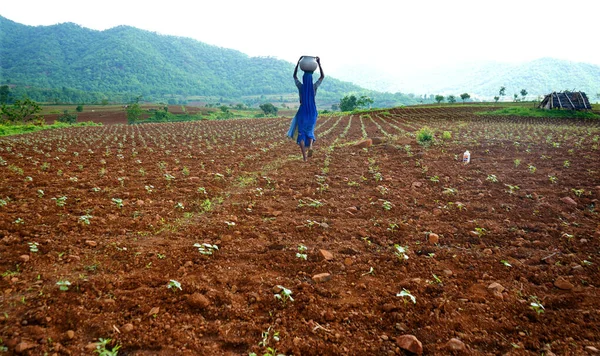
501	255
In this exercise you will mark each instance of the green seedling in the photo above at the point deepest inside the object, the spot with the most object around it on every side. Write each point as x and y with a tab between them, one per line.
301	252
205	248
479	231
310	202
19	221
406	293
386	205
118	202
179	206
371	272
33	247
512	189
492	178
40	193
63	285
284	295
450	191
61	201
505	262
101	348
85	219
578	192
174	285
553	179
401	252
535	305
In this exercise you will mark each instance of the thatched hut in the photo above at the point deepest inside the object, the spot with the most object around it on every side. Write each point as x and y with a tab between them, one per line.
576	100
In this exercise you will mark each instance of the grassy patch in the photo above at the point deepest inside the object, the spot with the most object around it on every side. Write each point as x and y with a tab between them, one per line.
534	112
9	130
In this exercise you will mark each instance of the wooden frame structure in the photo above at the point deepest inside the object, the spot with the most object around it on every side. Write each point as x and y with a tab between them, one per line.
576	100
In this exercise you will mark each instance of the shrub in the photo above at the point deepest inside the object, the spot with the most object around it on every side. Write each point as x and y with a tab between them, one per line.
447	135
67	118
425	136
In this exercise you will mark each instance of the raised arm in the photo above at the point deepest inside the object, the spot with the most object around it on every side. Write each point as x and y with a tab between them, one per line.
296	69
320	69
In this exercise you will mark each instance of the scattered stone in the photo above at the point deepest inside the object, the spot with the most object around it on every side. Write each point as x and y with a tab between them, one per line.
70	334
410	343
384	337
364	143
74	258
154	311
321	277
326	255
377	140
140	202
496	287
198	301
348	261
91	243
24	346
487	251
437	211
455	344
388	307
592	350
91	346
24	258
416	185
569	201
127	328
447	272
562	283
433	238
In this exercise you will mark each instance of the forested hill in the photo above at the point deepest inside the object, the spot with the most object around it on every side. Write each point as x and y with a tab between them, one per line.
129	61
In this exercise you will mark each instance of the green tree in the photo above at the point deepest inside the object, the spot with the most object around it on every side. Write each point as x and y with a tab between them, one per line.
496	98
21	111
502	91
79	108
364	101
4	93
515	97
134	113
464	96
348	103
451	99
439	98
67	118
268	109
523	93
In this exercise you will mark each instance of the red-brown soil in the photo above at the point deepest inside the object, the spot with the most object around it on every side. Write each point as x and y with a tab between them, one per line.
478	254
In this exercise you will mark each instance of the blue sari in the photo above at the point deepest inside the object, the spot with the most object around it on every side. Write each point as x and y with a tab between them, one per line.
302	127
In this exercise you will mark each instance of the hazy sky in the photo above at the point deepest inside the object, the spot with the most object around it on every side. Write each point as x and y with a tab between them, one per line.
386	33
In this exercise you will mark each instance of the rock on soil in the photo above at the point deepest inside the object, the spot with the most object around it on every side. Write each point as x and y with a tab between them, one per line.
24	346
326	255
410	343
455	344
433	238
198	301
562	283
569	201
321	277
364	143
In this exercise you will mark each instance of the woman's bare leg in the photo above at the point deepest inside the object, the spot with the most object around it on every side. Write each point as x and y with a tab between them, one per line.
303	149
310	149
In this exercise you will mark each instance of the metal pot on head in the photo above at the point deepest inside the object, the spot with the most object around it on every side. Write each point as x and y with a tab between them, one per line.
308	63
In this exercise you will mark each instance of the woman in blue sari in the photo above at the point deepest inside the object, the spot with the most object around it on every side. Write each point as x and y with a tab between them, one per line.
302	127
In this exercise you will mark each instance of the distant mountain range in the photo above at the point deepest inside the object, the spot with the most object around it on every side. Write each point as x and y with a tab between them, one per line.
70	63
484	79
